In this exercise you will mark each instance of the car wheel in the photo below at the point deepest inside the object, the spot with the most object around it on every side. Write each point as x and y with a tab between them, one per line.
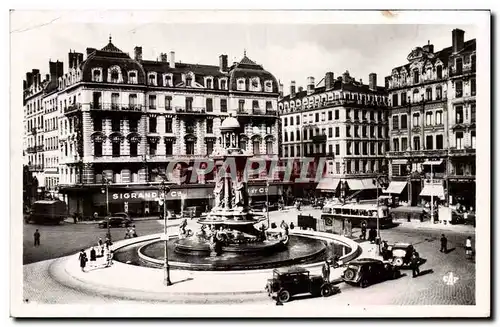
349	274
284	296
363	283
326	290
398	262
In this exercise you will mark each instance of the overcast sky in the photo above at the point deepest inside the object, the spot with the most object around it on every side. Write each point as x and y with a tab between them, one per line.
290	52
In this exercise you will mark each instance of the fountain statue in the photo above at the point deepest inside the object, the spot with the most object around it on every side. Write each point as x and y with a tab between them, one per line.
231	221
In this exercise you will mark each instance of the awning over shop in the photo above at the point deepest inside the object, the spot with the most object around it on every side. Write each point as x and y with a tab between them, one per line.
369	184
395	187
355	184
400	161
328	184
433	190
361	184
433	162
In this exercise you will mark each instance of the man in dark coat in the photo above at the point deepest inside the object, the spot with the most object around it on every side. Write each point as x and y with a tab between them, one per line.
363	231
326	271
444	244
83	260
37	238
372	235
414	264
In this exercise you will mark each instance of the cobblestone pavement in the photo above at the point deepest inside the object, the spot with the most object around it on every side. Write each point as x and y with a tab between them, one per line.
448	278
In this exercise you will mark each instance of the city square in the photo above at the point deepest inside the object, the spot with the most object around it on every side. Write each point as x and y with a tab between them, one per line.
212	177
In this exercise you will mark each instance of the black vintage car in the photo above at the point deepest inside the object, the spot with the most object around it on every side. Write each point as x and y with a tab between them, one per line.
115	222
400	254
287	282
364	272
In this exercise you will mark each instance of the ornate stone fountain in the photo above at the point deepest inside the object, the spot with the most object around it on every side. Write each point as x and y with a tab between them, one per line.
230	225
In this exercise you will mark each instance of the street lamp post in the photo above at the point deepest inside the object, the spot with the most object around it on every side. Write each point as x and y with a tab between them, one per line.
166	267
267	203
106	184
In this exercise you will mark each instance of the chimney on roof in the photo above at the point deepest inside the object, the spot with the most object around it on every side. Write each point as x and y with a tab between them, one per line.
387	79
329	81
172	59
292	89
372	81
138	53
56	70
428	47
75	59
163	57
280	89
25	85
310	85
457	36
47	77
301	89
29	79
223	63
36	76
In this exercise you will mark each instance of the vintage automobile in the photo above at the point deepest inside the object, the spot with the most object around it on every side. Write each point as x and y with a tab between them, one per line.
364	272
287	282
400	254
262	206
115	222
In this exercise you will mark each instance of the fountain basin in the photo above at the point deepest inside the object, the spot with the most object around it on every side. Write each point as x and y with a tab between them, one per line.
301	249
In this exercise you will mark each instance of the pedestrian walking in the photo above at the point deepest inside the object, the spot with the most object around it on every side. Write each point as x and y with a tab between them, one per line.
128	233
36	236
444	244
326	271
372	235
109	257
92	256
414	264
468	247
83	259
133	232
363	231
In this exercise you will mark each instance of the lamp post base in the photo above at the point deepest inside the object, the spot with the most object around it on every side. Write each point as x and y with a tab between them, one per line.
166	279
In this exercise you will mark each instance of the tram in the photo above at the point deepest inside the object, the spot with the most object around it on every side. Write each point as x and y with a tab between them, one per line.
355	214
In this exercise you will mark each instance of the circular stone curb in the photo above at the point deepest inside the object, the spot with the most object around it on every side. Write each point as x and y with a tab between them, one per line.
66	272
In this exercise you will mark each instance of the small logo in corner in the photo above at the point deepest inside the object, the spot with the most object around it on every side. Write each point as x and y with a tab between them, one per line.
450	279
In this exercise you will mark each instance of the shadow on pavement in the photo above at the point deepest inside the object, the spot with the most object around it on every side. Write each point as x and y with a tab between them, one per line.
182	280
426	272
450	250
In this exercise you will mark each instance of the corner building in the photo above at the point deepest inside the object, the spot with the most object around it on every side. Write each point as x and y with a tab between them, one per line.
125	119
345	122
433	124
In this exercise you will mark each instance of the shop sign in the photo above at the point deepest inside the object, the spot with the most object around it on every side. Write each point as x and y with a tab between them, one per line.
154	195
261	190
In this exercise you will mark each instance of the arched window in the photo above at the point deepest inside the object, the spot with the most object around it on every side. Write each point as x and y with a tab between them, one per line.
96	76
395	145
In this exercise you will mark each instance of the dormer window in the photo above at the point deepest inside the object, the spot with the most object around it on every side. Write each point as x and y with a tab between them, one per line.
114	75
255	84
241	85
209	83
96	75
268	86
132	77
152	79
223	84
189	81
167	80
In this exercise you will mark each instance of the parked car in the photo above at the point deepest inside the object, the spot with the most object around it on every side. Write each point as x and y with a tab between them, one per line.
122	214
400	254
287	282
364	272
115	222
263	206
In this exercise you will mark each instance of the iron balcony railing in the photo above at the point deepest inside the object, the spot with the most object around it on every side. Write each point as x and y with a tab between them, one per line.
115	106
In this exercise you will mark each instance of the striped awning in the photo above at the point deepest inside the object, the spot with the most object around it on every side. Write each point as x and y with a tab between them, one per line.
395	187
433	190
328	184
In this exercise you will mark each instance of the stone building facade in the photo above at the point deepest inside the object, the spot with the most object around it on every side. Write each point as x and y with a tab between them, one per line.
432	123
343	121
123	119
